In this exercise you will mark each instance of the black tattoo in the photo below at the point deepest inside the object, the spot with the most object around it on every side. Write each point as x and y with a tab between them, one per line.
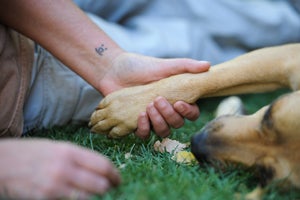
101	49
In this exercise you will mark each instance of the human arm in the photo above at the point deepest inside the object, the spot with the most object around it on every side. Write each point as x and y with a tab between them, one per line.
65	31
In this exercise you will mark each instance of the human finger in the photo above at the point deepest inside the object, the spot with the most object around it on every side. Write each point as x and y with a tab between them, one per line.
143	126
189	111
97	164
159	124
167	111
89	182
74	193
62	190
185	65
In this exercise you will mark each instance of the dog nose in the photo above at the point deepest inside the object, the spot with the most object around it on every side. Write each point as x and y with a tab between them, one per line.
199	147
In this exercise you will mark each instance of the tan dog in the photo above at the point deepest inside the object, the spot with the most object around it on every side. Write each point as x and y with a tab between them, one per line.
269	138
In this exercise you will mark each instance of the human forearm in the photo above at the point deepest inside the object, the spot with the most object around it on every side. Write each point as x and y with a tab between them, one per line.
65	31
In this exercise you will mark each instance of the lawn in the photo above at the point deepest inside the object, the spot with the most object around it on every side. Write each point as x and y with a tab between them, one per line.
151	175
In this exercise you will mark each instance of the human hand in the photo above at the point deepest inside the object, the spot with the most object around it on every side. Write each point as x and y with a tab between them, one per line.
163	115
130	69
43	169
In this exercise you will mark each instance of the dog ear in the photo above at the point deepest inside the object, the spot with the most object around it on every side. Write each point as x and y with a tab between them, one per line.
268	129
280	120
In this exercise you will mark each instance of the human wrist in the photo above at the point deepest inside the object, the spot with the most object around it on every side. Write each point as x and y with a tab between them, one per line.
104	67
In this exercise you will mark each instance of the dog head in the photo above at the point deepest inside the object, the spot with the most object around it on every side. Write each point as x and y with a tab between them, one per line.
268	140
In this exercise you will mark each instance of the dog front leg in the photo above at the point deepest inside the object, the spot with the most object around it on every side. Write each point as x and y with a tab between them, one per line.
258	71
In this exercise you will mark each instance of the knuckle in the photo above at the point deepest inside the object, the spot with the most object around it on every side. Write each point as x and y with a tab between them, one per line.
106	167
169	114
60	168
165	109
66	151
58	172
157	121
102	185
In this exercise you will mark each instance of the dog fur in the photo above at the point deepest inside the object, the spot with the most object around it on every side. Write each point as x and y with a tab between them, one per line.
269	139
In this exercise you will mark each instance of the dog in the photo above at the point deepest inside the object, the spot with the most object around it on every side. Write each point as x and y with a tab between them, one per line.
268	139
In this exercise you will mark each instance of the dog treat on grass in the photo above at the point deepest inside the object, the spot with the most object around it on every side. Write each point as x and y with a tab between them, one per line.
185	157
168	145
176	149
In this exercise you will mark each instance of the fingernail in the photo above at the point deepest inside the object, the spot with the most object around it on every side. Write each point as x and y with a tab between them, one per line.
204	62
143	116
180	107
161	103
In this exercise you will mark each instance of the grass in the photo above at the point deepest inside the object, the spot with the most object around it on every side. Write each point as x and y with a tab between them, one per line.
151	175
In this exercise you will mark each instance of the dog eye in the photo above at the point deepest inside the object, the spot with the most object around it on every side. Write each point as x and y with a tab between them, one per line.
268	130
267	121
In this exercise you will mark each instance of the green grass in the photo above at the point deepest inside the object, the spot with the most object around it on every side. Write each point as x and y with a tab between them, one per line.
151	175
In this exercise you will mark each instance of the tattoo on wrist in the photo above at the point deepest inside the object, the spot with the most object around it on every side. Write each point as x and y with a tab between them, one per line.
100	49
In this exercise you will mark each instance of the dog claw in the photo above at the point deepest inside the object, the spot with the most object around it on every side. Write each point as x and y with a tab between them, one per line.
96	117
118	132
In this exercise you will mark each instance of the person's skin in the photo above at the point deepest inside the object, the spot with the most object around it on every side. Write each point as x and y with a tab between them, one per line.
65	31
44	169
162	114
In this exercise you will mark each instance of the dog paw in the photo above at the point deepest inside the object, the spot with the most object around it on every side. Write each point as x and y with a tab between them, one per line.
232	105
117	114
